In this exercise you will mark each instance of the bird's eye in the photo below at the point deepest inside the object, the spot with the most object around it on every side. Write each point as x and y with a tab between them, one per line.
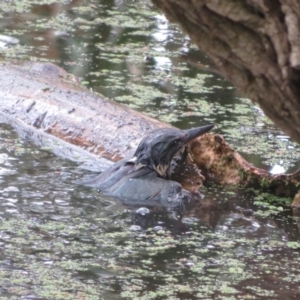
174	143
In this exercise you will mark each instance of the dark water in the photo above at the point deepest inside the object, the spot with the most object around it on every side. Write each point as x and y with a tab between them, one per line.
62	241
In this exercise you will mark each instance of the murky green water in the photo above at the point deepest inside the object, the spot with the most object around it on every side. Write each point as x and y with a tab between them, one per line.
61	241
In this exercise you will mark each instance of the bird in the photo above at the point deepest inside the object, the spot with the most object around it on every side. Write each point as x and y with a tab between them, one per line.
144	178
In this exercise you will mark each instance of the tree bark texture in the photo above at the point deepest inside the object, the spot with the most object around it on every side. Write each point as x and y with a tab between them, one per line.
253	43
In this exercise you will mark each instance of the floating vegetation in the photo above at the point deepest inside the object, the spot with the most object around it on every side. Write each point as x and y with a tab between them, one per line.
61	241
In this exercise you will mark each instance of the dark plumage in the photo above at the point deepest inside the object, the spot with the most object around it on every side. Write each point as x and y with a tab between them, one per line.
143	179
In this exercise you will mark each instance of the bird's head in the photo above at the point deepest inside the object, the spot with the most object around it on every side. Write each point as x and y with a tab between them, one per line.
157	149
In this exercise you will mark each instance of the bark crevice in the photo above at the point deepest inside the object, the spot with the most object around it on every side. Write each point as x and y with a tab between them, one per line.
255	44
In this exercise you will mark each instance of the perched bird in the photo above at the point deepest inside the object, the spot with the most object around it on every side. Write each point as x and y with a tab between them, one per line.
143	179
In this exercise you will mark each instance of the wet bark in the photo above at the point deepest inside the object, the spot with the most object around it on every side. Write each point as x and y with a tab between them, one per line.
253	43
44	101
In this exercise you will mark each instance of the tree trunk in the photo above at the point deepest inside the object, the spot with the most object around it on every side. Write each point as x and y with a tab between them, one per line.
253	43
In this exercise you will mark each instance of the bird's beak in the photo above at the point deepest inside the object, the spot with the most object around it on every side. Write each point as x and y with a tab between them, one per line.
196	132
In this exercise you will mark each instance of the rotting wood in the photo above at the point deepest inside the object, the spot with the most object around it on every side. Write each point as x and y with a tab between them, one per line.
43	97
256	45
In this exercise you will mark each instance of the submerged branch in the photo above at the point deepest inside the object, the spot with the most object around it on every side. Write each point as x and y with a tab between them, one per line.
223	165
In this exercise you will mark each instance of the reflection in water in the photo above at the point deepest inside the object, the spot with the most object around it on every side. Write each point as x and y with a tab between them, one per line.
277	169
63	241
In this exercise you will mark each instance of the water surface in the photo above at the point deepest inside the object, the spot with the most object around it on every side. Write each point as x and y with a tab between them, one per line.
59	240
62	241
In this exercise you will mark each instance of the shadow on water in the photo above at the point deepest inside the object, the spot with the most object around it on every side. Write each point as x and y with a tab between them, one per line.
62	241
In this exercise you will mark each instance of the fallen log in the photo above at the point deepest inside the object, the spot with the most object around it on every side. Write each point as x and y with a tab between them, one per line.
47	98
41	100
46	101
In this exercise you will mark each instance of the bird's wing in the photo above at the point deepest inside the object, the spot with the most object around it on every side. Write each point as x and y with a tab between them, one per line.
111	176
140	173
144	187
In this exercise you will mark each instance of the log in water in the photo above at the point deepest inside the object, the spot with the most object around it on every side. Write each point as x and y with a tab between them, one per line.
43	100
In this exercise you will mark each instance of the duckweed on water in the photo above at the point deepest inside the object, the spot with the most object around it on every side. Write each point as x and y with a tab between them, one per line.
78	258
61	241
90	256
269	204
